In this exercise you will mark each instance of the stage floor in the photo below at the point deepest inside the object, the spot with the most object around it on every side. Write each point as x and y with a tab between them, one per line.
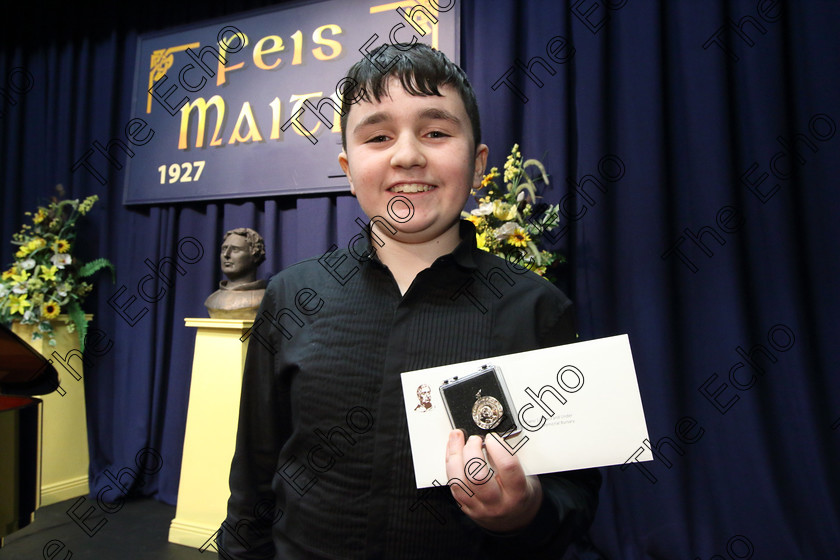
138	531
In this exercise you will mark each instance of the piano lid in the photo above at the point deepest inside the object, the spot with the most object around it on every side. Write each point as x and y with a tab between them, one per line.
23	371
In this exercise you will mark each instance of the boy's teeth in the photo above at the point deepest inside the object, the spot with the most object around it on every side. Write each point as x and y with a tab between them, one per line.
411	188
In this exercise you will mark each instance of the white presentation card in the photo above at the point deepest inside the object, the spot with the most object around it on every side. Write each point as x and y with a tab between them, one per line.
577	405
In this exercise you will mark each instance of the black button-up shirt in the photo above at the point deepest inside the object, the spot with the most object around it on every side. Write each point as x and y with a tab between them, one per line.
323	467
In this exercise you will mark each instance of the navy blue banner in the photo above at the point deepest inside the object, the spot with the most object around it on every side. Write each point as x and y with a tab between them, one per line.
248	107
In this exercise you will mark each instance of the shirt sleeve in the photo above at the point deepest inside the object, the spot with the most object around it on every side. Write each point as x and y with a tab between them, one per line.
246	532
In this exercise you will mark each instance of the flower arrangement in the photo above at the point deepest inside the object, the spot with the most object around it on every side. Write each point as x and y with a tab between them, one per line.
501	219
45	279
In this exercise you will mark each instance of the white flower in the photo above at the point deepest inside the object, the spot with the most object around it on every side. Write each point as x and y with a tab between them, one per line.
484	209
27	315
28	264
61	260
19	289
505	231
4	290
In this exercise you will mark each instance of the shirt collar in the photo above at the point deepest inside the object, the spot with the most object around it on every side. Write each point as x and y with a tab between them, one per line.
464	253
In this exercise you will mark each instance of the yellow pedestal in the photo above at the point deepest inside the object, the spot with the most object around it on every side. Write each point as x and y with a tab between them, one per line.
64	444
210	438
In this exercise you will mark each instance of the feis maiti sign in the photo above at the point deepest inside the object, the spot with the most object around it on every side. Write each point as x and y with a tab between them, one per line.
249	106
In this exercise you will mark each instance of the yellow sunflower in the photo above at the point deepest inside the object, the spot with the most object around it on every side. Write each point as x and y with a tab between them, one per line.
61	246
519	238
50	310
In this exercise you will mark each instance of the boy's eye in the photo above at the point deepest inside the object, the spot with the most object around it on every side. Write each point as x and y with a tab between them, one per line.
376	139
438	134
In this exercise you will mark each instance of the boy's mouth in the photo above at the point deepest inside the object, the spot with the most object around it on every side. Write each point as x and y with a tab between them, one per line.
411	188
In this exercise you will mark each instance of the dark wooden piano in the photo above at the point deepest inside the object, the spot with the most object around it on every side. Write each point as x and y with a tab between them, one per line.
23	372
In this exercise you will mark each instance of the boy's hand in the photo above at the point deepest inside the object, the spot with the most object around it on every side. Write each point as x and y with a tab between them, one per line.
503	498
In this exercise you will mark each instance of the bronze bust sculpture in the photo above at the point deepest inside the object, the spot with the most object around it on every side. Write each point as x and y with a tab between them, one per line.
239	297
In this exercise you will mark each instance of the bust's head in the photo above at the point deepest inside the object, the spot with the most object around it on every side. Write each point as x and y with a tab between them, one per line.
243	250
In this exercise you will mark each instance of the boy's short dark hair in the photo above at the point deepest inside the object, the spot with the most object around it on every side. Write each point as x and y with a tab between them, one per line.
421	71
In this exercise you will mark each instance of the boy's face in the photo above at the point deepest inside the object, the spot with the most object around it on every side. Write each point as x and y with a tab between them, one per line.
419	147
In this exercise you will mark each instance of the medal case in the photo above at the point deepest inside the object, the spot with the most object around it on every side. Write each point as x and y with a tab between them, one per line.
486	387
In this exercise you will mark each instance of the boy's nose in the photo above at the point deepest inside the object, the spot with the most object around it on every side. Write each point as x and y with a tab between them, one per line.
407	153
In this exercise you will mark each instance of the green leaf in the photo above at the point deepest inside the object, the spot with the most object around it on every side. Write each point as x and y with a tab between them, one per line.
528	185
78	317
532	248
538	165
96	265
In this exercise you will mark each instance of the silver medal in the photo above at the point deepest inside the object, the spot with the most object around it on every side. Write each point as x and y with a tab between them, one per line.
487	412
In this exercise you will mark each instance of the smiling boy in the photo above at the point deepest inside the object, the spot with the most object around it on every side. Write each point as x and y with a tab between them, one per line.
420	147
322	467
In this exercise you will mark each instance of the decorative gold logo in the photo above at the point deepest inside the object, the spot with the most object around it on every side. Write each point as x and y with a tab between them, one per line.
160	63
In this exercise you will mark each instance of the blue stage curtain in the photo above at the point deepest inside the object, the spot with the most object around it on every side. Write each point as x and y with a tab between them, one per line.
694	147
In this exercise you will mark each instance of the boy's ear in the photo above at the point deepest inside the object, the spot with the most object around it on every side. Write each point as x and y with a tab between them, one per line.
481	152
345	166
